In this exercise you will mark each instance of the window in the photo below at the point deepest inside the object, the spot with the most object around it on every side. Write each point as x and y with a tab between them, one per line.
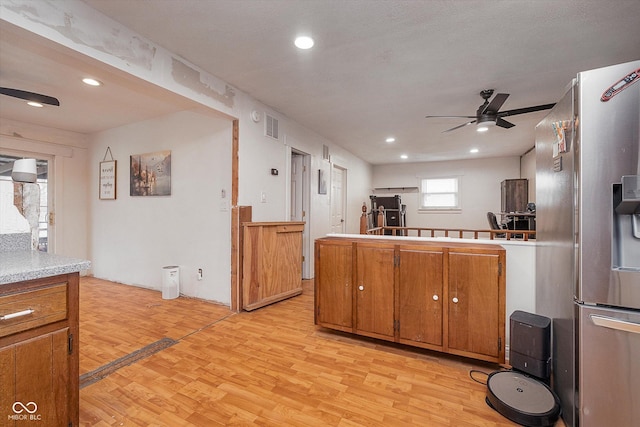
439	194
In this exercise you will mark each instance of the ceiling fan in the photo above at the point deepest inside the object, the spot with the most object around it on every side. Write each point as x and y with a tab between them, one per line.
30	96
488	113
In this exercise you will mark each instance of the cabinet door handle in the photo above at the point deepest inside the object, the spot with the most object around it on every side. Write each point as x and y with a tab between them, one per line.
361	288
455	300
435	297
17	314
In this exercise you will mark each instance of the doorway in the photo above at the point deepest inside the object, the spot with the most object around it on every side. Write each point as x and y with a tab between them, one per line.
299	204
338	199
44	232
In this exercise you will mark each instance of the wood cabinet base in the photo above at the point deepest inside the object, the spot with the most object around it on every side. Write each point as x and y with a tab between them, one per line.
39	361
448	297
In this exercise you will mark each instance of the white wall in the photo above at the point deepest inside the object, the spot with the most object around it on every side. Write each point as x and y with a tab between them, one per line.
133	237
479	189
258	154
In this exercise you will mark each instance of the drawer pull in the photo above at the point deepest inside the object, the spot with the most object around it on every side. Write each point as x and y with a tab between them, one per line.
17	314
435	297
455	300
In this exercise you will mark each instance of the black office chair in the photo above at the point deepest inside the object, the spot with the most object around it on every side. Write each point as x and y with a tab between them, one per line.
493	223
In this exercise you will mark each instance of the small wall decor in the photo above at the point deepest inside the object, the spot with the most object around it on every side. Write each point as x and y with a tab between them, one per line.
150	174
322	182
108	170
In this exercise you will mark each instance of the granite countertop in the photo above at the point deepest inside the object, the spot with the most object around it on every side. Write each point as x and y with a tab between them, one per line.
24	265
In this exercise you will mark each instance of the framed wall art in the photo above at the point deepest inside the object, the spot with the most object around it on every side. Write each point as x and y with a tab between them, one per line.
150	174
108	175
108	170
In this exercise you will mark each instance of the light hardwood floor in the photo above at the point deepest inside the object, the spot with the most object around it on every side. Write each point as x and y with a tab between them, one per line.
269	367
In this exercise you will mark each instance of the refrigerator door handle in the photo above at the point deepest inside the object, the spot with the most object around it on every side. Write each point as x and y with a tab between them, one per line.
613	323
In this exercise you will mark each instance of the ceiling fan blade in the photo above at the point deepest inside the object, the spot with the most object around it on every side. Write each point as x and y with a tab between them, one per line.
495	103
459	126
503	123
525	110
450	117
29	96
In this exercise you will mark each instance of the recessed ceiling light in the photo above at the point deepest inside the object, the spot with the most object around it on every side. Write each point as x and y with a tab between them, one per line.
404	156
304	42
35	104
474	150
390	140
91	82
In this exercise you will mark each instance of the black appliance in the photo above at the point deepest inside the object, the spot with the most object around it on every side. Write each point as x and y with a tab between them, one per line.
523	394
394	211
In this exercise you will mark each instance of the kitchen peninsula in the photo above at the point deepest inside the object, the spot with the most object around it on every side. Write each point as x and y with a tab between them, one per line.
443	295
39	364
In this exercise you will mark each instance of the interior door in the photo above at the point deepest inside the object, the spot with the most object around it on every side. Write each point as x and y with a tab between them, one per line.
338	186
297	211
299	203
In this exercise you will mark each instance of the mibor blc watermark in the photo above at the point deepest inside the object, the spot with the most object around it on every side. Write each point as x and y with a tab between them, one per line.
24	412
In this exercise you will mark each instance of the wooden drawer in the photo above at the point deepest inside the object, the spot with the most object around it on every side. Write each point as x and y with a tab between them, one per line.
28	310
294	228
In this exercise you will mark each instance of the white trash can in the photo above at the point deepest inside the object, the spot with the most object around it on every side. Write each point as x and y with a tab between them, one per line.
170	282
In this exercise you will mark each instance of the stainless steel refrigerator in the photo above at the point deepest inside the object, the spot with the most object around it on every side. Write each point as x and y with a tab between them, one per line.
588	245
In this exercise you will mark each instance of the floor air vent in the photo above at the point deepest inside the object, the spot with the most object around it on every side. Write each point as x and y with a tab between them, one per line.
271	127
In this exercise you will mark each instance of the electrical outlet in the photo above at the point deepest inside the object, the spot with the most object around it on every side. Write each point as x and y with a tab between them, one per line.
199	274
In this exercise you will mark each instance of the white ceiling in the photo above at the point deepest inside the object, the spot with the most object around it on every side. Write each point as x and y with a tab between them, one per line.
378	67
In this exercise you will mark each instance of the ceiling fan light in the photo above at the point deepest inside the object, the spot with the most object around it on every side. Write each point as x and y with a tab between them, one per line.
484	123
35	104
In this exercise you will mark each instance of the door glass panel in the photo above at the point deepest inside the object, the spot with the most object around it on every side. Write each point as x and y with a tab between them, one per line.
11	223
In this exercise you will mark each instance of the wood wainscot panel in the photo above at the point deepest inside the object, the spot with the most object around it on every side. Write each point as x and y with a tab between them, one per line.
272	262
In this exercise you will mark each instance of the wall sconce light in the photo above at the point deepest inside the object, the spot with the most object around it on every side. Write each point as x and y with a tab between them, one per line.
24	170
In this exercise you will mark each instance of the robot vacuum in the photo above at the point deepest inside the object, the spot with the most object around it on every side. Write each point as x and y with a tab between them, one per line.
522	399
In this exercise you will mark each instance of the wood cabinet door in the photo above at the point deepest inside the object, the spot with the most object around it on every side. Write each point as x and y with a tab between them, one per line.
375	291
334	287
475	298
34	375
420	298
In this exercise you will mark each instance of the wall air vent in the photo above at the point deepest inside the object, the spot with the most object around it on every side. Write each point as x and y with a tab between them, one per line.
271	127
